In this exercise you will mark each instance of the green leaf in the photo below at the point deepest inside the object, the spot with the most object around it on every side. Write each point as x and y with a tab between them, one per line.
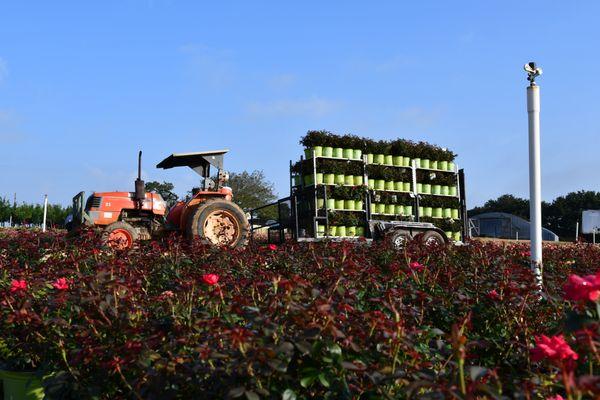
307	381
236	392
288	395
323	380
250	395
335	349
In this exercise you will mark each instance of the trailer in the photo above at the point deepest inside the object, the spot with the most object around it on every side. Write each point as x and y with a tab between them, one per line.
300	216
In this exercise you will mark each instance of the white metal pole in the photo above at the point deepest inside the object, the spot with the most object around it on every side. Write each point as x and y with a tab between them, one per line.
535	188
577	232
45	212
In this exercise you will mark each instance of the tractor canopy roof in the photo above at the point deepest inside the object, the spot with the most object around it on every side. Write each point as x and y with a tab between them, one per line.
200	162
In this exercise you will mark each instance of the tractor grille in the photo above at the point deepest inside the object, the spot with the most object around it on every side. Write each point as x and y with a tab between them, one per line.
93	202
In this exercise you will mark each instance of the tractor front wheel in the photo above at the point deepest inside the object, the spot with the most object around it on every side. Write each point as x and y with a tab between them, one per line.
219	222
119	235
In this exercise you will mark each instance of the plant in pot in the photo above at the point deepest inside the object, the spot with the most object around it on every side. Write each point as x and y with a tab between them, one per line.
314	141
388	158
398	150
380	149
369	149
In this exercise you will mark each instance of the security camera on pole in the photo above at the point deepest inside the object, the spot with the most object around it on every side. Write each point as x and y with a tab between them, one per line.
535	190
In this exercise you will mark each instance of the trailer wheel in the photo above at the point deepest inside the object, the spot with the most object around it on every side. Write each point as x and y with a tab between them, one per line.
432	238
398	239
119	235
218	222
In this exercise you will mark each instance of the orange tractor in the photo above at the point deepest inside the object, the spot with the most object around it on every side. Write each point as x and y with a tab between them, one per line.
209	214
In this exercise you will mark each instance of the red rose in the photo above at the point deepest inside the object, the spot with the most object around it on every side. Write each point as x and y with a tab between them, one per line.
272	247
210	279
416	266
553	348
492	294
582	288
61	284
18	286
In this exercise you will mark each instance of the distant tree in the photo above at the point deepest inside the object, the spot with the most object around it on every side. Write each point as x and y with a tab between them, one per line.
565	211
252	190
165	189
506	203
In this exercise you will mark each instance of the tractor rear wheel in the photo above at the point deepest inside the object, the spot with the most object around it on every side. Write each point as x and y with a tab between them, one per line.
398	239
218	222
119	235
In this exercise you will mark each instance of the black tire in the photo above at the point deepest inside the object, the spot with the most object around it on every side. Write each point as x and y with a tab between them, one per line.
119	226
432	238
231	223
398	239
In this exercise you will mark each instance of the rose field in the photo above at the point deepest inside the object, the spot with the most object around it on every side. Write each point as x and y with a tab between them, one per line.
335	320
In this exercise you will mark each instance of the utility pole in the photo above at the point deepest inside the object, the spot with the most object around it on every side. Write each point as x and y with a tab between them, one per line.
535	187
45	212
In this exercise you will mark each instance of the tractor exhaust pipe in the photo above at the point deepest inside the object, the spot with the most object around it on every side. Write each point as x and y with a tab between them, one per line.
140	189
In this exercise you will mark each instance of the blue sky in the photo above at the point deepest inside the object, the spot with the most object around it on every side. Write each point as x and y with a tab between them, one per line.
84	85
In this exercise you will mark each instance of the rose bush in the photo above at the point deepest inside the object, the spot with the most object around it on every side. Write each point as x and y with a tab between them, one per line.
325	320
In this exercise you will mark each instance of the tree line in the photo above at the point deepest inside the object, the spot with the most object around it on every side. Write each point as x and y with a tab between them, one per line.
32	214
560	216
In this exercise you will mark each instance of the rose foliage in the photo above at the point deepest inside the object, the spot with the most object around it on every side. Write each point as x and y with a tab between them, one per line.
170	320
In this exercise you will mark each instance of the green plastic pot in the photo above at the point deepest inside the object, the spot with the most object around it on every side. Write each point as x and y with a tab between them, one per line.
341	230
379	184
452	190
427	188
390	209
348	153
358	180
358	204
360	231
389	185
380	207
432	164
339	179
436	189
450	166
445	190
388	159
399	186
338	152
438	212
320	230
424	163
427	211
378	159
454	213
419	188
421	211
406	162
398	160
332	230
351	231
327	151
339	204
456	236
348	204
308	180
329	179
447	212
448	234
398	209
357	154
370	158
371	183
319	178
408	211
406	186
320	203
21	386
417	162
349	180
443	165
331	204
308	153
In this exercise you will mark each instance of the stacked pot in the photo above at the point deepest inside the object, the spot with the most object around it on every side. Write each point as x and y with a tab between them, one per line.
387	166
